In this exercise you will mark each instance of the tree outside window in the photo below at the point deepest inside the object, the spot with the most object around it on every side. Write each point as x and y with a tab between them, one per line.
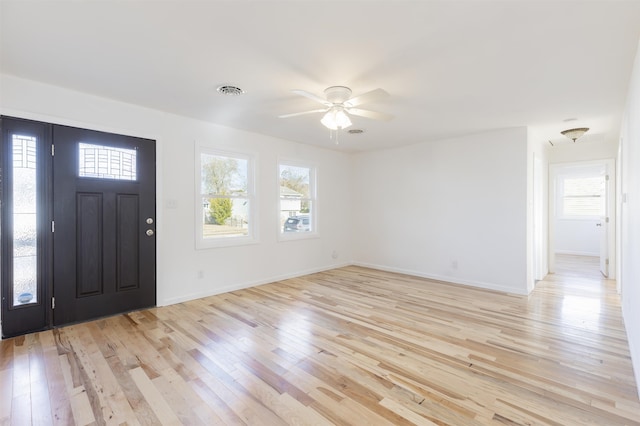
225	195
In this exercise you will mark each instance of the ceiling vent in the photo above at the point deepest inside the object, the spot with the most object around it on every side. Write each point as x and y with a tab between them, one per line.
230	90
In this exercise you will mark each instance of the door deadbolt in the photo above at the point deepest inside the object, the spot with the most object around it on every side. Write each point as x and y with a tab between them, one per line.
149	221
149	232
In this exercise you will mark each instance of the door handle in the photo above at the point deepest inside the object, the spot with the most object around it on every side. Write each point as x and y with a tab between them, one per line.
598	224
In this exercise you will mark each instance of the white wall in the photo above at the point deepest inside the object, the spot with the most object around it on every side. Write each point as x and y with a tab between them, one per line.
577	236
179	263
583	151
453	210
629	226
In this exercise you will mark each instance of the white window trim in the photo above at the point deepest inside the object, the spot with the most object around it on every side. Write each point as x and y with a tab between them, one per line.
252	237
313	194
560	200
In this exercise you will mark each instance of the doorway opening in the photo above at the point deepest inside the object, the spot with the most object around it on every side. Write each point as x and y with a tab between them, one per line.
581	219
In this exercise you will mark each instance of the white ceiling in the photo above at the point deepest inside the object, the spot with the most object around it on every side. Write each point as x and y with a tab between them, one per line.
451	67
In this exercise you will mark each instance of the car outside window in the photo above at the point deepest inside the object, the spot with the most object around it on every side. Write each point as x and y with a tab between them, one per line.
297	200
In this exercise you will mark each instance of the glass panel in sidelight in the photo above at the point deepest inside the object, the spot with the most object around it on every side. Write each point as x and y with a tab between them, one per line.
25	243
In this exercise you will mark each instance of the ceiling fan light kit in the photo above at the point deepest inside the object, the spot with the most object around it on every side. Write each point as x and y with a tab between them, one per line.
576	133
336	119
339	105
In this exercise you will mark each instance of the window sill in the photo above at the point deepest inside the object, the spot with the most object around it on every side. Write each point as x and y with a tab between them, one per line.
221	242
297	236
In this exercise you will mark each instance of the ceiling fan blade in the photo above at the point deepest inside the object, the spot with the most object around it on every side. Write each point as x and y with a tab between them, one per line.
312	97
374	115
371	96
302	113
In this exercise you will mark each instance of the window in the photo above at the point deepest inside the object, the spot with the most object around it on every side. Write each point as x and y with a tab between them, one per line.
226	198
25	202
297	200
582	197
106	162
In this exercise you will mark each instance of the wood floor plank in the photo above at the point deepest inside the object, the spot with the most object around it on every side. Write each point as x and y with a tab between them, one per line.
21	395
163	412
350	346
59	397
6	384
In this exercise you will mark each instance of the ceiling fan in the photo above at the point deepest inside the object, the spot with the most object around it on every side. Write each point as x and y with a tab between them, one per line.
339	104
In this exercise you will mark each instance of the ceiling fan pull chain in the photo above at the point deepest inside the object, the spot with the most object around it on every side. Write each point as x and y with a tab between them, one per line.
333	135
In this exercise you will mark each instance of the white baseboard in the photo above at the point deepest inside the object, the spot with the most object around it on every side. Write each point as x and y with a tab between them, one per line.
248	284
578	253
633	350
448	279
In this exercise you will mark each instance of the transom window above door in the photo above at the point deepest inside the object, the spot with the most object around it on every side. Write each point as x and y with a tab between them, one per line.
106	162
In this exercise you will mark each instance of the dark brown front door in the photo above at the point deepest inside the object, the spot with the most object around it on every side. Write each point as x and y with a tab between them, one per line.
104	240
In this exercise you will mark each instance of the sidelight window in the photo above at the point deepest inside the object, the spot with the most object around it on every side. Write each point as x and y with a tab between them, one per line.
25	243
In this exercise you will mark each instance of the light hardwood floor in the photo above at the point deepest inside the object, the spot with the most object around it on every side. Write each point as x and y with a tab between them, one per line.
348	346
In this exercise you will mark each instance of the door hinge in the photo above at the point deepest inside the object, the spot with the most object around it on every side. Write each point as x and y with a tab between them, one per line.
53	226
606	262
53	150
53	303
606	177
606	219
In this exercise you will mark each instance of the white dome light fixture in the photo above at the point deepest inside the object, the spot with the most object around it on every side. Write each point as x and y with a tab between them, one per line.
576	133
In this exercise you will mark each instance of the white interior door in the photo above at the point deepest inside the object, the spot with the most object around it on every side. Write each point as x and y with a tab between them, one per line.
604	245
604	225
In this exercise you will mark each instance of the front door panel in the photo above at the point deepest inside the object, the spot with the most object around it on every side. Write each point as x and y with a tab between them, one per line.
104	249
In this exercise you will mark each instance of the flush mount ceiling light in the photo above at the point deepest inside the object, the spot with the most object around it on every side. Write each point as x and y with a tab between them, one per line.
576	133
229	90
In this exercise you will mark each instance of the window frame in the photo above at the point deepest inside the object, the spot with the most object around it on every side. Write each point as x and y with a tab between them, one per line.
227	241
560	192
109	150
313	200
